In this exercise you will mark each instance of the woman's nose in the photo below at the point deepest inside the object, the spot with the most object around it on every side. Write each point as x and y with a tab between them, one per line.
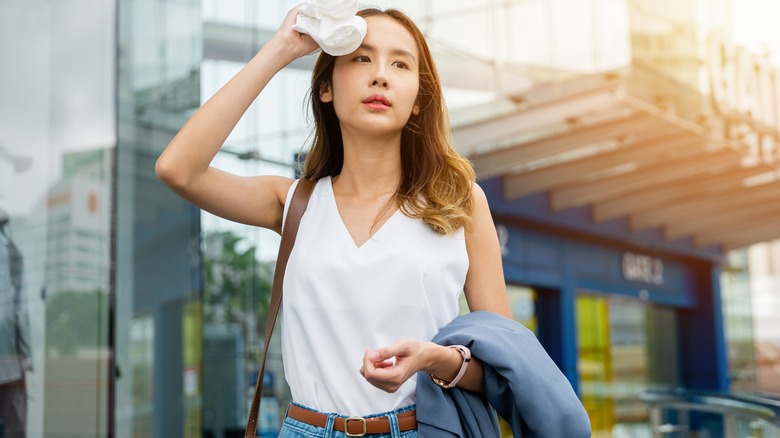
379	77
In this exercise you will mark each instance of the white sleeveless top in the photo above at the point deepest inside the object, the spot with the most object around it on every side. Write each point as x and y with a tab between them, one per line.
341	299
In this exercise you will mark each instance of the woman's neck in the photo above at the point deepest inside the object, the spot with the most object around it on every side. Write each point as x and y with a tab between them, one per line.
371	167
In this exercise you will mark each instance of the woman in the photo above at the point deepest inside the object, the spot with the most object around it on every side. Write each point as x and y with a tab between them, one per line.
395	230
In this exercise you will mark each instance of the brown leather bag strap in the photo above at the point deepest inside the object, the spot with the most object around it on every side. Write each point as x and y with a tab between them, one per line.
300	200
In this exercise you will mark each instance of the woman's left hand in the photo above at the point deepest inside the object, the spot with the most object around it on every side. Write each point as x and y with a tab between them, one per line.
389	367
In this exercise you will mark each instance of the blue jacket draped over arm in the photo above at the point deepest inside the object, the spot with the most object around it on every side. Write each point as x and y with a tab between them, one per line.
522	383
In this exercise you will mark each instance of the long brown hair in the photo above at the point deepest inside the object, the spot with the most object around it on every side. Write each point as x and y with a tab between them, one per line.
436	182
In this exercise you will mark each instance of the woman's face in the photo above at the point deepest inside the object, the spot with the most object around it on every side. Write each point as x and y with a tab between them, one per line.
374	89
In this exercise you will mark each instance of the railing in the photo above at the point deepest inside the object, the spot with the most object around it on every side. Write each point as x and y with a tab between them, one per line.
680	413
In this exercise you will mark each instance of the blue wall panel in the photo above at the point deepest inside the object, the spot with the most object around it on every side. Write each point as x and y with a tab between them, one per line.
537	258
536	208
561	254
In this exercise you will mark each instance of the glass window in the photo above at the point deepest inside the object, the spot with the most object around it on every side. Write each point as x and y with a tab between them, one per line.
762	280
158	281
522	301
736	299
625	347
57	144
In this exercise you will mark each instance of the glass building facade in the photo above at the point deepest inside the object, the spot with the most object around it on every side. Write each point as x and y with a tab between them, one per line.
144	316
57	149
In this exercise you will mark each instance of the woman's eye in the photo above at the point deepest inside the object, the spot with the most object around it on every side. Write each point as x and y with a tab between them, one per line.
401	64
362	59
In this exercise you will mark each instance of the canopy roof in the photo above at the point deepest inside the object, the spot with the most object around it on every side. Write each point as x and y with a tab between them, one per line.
622	144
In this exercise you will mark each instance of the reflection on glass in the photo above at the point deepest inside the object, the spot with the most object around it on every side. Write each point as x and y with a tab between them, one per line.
56	159
625	348
158	277
522	301
237	290
56	258
15	351
60	274
141	367
192	375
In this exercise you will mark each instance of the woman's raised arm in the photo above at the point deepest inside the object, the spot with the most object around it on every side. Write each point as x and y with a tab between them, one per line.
185	164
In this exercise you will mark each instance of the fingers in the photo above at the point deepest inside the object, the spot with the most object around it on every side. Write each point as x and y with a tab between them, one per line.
372	362
383	374
389	367
401	348
291	17
302	44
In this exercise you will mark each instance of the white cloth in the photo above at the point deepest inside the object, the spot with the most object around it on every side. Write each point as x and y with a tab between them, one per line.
341	299
332	24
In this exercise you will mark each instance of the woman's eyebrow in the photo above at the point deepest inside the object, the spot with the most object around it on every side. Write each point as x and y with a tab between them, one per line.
401	52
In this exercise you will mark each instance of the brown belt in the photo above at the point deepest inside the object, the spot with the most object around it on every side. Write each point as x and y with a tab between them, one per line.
354	426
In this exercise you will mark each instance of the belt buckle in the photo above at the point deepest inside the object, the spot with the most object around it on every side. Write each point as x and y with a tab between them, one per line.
360	419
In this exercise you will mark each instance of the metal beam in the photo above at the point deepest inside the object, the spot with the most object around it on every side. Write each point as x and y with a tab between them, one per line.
505	160
610	187
540	95
578	86
468	137
724	222
697	208
697	186
758	228
646	149
759	237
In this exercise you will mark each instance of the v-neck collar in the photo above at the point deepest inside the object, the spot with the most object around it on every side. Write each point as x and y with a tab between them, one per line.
344	225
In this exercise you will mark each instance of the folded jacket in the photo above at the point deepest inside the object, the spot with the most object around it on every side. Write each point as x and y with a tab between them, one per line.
522	384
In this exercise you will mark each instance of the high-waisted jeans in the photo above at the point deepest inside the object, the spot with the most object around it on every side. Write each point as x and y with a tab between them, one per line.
297	429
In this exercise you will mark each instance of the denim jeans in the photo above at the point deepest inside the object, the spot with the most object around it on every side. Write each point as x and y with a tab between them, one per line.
296	429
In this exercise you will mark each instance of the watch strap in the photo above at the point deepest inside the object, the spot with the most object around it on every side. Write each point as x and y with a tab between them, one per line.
466	355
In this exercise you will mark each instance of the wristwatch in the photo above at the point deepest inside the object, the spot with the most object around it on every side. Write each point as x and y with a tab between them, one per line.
466	354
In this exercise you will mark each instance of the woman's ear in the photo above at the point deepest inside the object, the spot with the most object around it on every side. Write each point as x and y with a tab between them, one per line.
326	95
416	107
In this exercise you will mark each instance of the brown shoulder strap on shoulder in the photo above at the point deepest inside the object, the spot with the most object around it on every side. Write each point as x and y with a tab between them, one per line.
300	200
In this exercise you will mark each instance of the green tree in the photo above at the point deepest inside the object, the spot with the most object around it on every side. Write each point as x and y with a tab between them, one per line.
73	321
237	287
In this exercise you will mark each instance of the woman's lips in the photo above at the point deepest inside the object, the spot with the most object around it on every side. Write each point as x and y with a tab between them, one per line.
377	101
